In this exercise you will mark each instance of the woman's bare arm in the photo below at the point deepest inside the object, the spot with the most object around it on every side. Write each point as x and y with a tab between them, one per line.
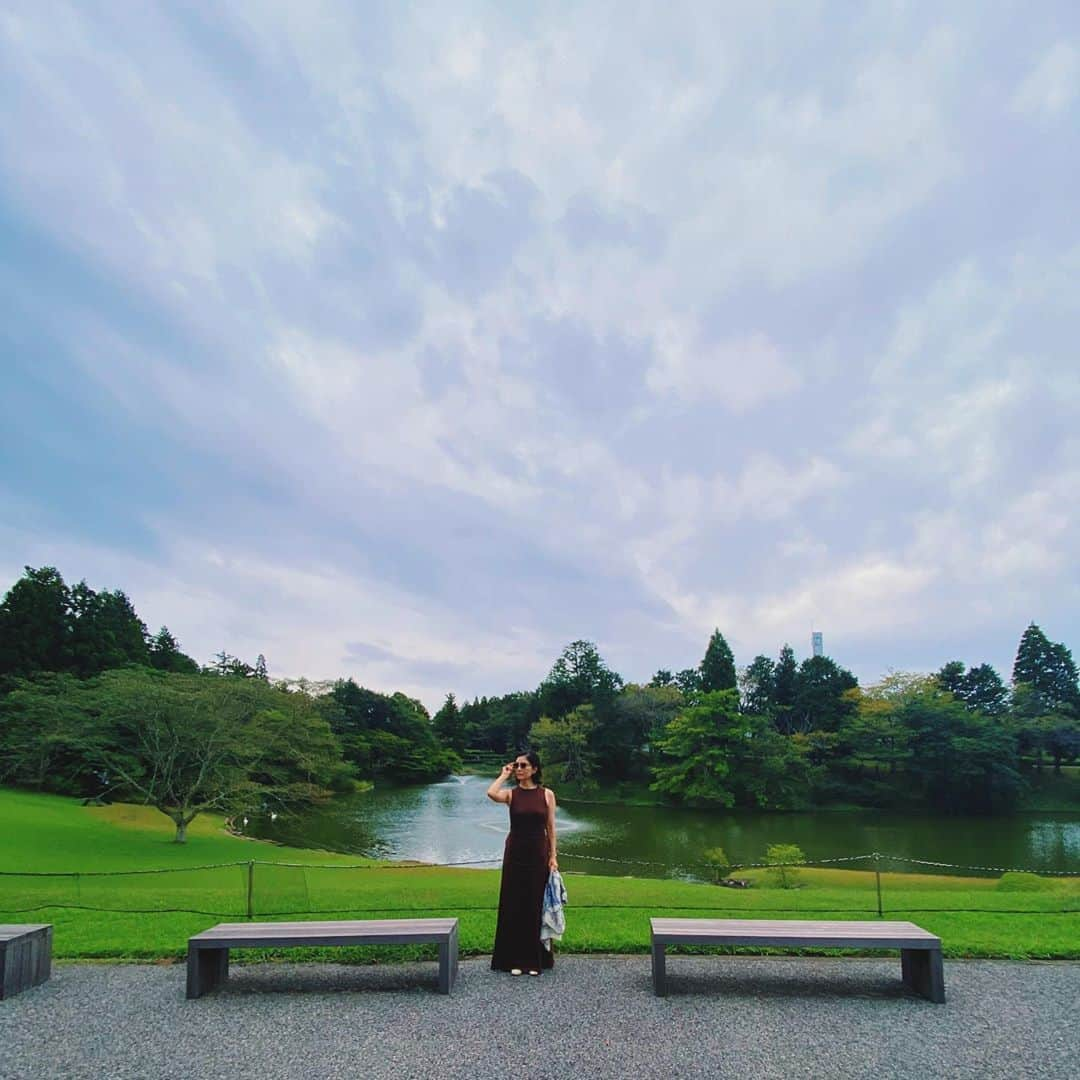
497	793
553	845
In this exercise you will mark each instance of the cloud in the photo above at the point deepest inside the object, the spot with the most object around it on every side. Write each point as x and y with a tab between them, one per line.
414	343
737	374
1053	84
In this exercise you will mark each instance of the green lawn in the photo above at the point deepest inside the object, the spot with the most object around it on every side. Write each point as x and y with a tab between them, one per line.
1020	916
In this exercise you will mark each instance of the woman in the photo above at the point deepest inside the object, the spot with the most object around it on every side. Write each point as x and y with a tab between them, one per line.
529	855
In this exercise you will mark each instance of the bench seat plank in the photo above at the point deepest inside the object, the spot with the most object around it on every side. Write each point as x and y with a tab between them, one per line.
345	932
795	933
920	951
208	952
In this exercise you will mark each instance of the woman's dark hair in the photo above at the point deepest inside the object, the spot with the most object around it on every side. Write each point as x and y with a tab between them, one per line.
533	759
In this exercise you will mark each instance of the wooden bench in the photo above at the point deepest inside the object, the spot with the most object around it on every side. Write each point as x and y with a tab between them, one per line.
920	952
208	952
25	957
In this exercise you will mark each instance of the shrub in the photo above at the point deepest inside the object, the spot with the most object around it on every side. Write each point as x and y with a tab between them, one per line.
1018	881
717	858
782	858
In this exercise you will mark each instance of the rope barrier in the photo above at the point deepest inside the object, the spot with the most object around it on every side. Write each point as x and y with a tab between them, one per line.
416	865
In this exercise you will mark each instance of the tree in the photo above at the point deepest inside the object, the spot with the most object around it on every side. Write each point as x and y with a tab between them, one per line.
960	760
1047	667
165	655
44	740
1044	730
785	689
718	859
35	623
260	670
185	744
227	666
757	687
578	677
663	677
718	665
820	703
713	755
951	677
641	714
978	688
783	860
563	744
688	681
984	690
449	727
386	735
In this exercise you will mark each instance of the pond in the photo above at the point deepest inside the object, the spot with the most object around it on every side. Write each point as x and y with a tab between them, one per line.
453	822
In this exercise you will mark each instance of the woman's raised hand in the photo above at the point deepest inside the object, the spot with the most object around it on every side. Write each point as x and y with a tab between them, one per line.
507	770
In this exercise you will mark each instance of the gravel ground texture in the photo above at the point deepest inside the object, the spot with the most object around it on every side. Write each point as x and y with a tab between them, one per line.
736	1016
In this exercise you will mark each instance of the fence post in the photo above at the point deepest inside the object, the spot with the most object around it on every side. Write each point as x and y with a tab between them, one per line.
877	876
251	890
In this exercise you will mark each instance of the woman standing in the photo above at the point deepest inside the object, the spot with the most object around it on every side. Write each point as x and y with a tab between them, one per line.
529	855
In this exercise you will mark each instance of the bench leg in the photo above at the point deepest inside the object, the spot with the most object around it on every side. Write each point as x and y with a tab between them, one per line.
659	969
43	957
448	962
206	969
924	972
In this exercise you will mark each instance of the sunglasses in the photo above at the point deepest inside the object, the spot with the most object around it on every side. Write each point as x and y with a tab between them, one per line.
522	764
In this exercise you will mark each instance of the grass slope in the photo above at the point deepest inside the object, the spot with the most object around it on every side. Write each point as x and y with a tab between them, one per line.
1016	917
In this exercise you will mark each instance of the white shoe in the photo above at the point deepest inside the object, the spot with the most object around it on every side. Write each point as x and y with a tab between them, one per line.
534	973
515	971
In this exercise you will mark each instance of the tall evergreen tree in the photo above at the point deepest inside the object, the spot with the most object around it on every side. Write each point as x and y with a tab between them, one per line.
1047	668
785	688
165	654
718	665
35	623
448	726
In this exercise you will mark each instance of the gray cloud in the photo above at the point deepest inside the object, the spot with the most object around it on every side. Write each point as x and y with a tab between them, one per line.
456	335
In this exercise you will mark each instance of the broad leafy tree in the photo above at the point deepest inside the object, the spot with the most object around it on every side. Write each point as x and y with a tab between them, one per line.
564	745
186	744
714	755
820	702
578	677
979	688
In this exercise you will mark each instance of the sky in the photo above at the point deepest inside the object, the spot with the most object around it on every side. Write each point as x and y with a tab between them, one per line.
412	342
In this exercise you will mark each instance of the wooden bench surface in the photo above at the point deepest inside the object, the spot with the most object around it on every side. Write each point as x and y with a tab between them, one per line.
18	930
831	934
339	932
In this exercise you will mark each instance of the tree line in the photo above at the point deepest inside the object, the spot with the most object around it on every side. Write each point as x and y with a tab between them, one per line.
93	704
780	734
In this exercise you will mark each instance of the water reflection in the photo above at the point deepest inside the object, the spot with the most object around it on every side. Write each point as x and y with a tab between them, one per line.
454	822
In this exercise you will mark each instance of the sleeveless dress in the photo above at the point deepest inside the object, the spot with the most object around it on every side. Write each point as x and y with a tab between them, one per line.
521	893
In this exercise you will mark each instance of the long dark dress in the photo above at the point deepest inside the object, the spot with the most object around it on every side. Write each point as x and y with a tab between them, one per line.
524	878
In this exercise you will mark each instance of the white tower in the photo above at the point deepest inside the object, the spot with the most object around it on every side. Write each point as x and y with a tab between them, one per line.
817	645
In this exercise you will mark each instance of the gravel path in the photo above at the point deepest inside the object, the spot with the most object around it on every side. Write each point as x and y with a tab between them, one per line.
595	1016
